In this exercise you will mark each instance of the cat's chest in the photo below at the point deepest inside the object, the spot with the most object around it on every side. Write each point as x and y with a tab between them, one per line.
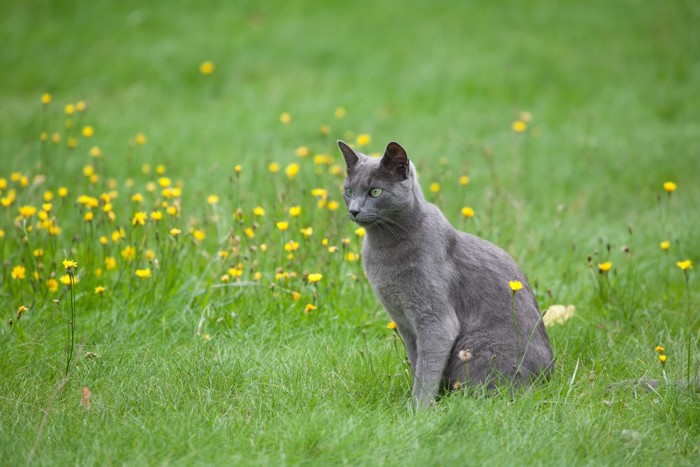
403	279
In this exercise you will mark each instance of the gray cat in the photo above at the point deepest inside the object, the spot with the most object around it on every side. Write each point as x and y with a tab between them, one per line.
448	291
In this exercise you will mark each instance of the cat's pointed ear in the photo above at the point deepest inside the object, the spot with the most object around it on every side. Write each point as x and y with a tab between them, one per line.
395	161
351	157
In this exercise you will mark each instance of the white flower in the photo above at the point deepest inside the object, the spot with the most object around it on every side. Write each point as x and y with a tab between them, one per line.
558	314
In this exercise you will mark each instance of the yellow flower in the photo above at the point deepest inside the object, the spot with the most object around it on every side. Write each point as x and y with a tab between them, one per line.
212	199
199	235
302	151
65	280
282	225
292	170
519	126
467	212
27	211
129	253
309	308
685	265
463	180
662	359
18	272
143	273
118	235
314	277
285	118
46	98
320	193
52	285
110	263
515	285
294	211
291	246
660	349
206	67
665	245
273	167
99	290
363	139
391	325
235	272
605	267
670	187
88	131
69	264
435	187
139	218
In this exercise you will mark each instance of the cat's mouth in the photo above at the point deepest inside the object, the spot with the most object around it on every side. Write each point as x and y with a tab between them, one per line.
362	219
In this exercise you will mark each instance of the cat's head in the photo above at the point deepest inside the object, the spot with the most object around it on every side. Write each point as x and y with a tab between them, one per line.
379	190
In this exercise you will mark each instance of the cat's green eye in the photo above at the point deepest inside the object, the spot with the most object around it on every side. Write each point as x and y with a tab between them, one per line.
348	192
375	192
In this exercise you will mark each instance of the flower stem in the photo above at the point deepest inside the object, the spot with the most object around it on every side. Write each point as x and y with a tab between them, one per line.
515	324
72	320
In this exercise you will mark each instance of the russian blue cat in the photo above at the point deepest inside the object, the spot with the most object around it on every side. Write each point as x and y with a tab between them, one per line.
448	291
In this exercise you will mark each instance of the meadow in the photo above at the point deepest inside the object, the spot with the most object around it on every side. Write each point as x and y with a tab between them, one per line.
180	283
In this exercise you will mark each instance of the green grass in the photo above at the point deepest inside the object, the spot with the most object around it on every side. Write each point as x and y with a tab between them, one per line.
184	368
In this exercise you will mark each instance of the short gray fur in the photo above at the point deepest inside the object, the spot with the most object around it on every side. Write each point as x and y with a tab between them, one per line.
446	290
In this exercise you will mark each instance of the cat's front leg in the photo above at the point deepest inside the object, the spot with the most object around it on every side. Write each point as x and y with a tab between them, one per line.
434	345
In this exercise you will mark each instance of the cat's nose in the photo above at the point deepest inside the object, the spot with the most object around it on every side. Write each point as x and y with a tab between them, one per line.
354	213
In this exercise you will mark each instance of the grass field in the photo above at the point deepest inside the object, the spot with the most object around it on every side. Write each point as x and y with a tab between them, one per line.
201	209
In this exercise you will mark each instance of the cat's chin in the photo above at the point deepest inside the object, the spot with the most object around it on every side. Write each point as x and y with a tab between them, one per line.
363	221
